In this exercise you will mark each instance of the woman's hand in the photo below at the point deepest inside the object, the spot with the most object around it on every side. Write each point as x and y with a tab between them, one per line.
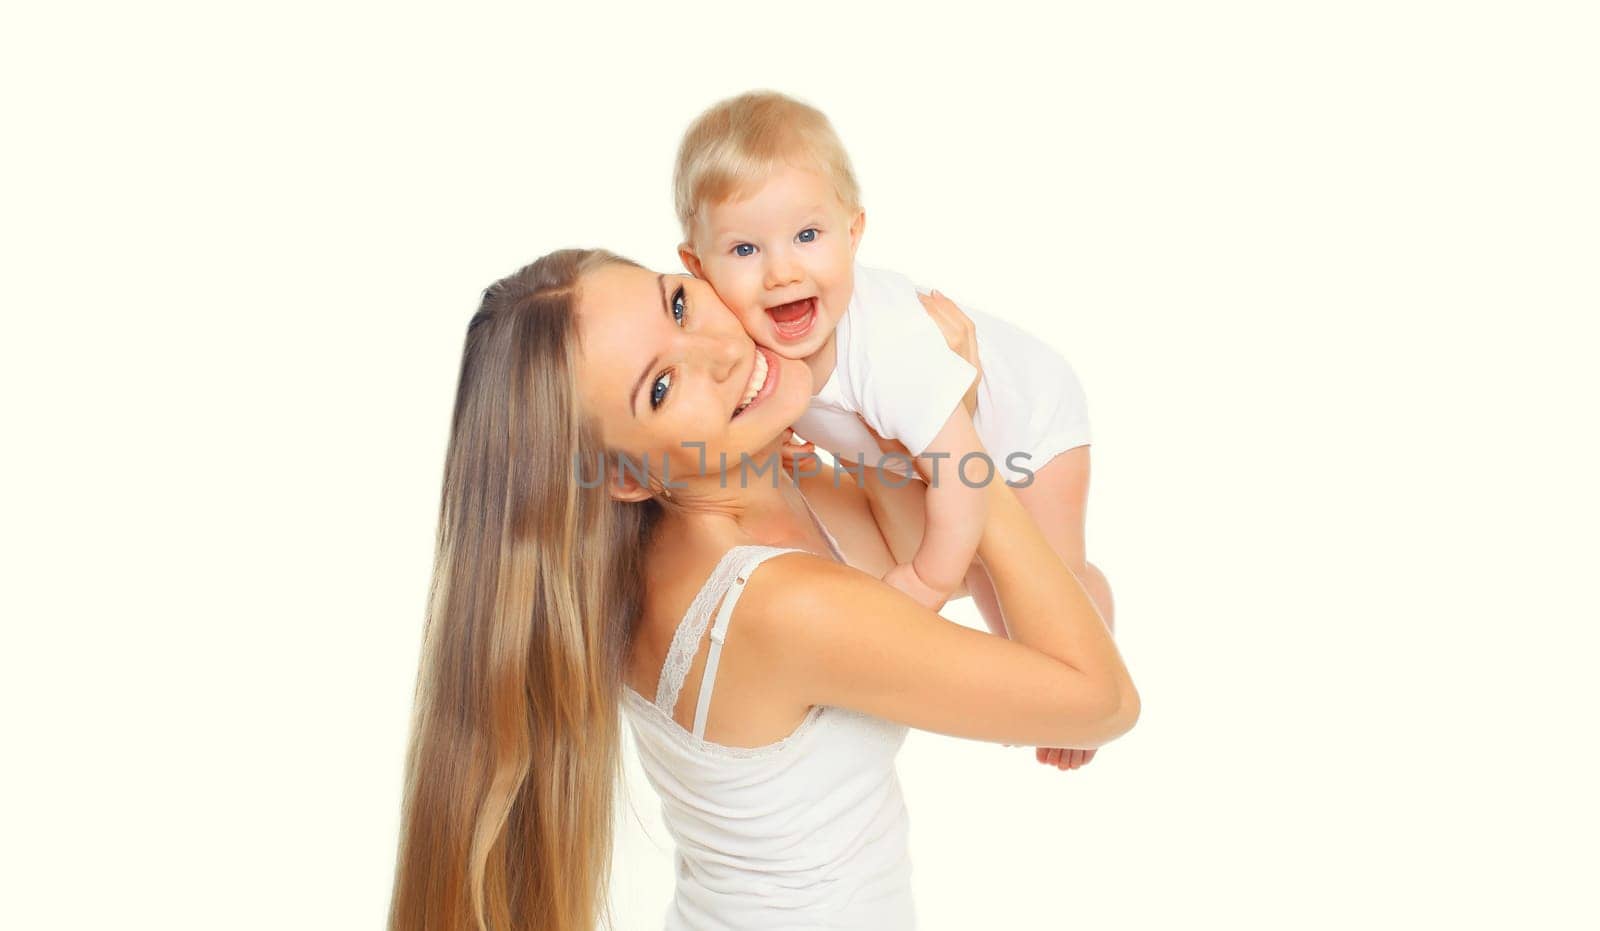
960	335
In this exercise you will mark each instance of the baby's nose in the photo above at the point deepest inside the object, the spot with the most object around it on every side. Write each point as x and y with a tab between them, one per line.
782	270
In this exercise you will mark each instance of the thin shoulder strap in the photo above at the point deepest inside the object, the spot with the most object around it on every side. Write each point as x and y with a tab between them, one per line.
719	632
817	520
686	639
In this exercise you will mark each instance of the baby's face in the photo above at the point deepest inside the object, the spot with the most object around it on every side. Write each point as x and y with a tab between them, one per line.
782	260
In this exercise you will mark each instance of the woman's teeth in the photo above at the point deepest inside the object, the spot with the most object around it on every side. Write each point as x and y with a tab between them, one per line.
758	380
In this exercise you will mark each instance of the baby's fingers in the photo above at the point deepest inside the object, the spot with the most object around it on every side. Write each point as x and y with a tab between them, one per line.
940	306
952	323
1063	758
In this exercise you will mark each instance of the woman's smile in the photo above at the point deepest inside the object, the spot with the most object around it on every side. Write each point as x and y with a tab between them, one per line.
764	377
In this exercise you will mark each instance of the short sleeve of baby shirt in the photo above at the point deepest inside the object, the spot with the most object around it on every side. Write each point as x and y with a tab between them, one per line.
906	379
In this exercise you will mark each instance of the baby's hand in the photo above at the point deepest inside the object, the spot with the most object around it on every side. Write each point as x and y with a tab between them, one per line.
791	451
904	577
1063	759
960	335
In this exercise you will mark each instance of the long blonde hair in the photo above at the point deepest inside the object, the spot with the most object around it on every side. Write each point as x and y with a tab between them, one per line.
514	756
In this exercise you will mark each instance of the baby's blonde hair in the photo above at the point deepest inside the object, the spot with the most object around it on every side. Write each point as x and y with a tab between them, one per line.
732	148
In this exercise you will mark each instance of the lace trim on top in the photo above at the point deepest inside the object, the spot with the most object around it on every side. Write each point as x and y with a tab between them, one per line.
686	639
649	714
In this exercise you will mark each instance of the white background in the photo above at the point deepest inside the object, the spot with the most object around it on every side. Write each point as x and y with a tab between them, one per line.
1328	275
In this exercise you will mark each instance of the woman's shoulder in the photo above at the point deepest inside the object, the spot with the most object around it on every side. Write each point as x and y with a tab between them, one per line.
785	593
696	568
778	585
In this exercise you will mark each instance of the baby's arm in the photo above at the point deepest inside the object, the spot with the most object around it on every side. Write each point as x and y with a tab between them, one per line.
901	512
955	515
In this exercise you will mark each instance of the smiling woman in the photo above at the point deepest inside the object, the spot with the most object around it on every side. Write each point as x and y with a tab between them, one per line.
689	370
773	728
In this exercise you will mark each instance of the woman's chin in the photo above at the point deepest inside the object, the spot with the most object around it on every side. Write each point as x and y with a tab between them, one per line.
797	374
794	392
772	418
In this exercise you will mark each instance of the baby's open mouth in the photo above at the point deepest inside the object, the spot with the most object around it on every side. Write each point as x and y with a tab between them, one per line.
794	319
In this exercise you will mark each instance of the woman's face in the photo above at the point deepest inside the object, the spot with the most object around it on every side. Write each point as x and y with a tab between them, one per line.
663	362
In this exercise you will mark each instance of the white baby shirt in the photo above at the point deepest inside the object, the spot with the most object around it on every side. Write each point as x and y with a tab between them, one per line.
893	368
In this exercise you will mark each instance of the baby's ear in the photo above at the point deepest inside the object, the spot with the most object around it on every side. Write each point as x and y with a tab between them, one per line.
691	262
857	227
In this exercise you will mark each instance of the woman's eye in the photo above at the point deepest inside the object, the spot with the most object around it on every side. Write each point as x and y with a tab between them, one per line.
663	382
744	249
807	235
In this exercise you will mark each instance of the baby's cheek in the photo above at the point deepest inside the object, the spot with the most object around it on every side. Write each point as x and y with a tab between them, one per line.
752	319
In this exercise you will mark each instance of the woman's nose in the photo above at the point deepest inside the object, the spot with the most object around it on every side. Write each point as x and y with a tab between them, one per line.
734	351
722	353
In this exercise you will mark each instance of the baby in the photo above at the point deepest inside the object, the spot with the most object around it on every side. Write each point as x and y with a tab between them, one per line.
772	217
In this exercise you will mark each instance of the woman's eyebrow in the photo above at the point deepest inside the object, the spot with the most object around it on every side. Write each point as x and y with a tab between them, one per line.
633	397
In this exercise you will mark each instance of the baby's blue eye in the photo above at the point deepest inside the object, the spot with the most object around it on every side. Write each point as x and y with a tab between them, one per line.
744	249
807	235
679	306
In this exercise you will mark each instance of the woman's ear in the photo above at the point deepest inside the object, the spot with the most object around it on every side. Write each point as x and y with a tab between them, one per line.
691	262
857	227
627	479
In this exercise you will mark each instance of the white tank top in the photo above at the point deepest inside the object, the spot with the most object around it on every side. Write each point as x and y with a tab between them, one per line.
807	832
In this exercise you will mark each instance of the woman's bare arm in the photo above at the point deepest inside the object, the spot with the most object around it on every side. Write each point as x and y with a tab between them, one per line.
831	635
